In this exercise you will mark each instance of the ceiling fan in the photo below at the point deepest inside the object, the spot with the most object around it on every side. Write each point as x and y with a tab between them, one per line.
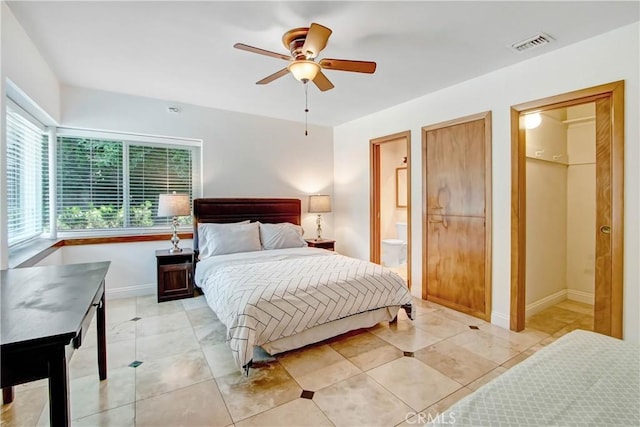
305	44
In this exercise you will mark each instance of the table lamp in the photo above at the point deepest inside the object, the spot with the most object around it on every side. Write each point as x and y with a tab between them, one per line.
174	205
319	204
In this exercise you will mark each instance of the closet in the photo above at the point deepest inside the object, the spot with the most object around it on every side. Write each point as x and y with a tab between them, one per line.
561	215
607	231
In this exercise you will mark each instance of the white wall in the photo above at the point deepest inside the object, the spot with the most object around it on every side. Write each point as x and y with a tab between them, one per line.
610	57
243	155
581	206
546	248
23	64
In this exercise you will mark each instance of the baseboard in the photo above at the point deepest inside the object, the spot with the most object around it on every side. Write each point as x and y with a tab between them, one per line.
545	302
580	296
500	319
131	291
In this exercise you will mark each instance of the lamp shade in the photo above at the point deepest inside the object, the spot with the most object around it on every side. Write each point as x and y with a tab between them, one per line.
173	205
319	203
304	70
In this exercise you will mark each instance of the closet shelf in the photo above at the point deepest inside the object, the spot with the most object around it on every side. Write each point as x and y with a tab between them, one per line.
587	119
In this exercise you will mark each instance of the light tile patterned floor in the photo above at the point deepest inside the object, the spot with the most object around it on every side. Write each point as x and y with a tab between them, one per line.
381	376
562	318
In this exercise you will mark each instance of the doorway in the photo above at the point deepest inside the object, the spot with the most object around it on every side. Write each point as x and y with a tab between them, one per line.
560	151
390	211
608	224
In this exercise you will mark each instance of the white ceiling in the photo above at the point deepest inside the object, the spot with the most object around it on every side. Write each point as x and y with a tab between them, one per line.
183	51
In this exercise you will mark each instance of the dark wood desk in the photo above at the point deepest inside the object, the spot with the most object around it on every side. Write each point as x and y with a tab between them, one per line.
43	310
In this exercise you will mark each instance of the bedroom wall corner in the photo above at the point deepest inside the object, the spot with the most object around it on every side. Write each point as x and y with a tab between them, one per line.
27	69
603	59
243	155
27	75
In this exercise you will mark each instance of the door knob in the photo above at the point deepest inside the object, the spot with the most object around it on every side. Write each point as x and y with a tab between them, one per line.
605	229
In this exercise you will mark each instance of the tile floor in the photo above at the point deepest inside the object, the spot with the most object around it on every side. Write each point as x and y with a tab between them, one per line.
383	376
562	318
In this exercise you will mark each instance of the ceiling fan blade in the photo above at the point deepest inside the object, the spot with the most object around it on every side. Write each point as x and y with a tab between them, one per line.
273	76
348	65
248	48
316	40
322	82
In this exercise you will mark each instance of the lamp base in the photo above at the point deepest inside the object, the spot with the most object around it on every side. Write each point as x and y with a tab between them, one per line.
319	229
174	238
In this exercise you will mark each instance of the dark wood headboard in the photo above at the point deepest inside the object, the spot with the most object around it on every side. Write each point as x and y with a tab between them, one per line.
236	210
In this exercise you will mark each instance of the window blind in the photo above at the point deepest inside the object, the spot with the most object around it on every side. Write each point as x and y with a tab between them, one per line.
89	192
109	183
155	170
26	170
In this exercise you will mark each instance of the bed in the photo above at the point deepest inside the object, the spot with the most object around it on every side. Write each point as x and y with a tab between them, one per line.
583	378
271	290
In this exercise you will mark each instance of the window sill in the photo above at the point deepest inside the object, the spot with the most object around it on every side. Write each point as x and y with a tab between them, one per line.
30	253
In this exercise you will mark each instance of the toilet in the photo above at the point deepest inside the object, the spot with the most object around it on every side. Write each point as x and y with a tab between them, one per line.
394	251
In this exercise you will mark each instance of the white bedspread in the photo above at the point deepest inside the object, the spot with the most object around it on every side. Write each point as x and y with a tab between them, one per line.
582	379
263	296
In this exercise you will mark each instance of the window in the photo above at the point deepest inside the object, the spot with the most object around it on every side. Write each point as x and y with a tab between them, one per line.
26	171
89	184
114	183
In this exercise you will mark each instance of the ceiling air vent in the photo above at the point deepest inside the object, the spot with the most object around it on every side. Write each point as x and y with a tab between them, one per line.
532	42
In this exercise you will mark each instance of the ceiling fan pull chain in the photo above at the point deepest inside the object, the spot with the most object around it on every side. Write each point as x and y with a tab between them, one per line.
306	107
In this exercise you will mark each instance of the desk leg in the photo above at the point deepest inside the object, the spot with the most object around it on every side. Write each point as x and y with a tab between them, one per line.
7	395
58	388
102	340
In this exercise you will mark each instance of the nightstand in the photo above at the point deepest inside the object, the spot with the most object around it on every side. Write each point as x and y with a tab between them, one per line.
175	274
327	244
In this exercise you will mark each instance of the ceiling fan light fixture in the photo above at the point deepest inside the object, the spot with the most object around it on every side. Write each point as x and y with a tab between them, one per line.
304	70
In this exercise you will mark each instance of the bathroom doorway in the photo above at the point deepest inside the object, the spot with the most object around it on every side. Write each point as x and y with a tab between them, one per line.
390	211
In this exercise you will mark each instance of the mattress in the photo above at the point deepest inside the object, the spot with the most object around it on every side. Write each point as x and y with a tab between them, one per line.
582	379
266	296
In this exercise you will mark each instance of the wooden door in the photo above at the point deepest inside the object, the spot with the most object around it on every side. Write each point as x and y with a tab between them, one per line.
457	182
602	304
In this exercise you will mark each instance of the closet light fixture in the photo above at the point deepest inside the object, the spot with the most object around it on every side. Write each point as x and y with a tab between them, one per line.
532	121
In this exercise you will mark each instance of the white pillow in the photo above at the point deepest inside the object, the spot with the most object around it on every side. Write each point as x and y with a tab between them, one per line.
220	239
281	236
